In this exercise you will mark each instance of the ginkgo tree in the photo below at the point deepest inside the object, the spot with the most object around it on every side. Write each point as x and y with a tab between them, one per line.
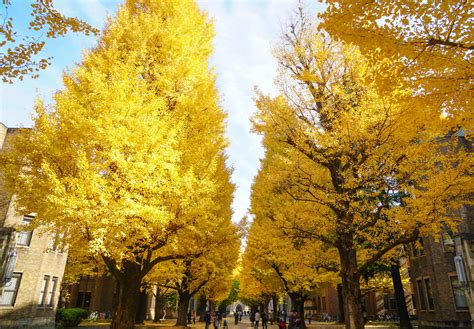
430	44
19	52
371	172
126	156
301	265
213	245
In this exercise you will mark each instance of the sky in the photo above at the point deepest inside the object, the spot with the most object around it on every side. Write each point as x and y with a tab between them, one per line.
246	33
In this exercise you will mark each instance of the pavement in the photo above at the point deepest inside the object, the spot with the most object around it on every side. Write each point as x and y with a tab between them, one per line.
244	324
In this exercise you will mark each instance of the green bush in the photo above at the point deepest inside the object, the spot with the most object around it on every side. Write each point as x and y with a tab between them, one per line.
70	317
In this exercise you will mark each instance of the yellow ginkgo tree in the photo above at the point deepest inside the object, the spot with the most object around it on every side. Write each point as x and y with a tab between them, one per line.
370	169
126	156
430	44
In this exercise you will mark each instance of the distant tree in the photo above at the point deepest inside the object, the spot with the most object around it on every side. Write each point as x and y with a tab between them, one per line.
19	53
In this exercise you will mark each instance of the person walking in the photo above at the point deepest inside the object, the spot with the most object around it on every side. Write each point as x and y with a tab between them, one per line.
207	319
257	318
216	321
252	319
264	320
194	316
236	317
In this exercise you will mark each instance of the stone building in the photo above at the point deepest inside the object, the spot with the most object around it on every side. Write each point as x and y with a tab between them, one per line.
32	267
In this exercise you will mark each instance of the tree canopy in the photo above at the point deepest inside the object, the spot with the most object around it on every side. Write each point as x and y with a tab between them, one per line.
130	156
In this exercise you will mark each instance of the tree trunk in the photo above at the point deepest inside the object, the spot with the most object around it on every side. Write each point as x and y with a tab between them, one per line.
400	297
159	305
141	309
127	299
275	307
354	317
202	307
340	301
183	305
301	311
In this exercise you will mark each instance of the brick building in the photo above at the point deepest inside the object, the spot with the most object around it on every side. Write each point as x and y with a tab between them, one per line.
443	294
31	269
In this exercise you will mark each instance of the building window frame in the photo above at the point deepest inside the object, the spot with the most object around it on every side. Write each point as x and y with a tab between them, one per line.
24	237
447	240
44	290
16	278
420	289
53	284
459	289
429	293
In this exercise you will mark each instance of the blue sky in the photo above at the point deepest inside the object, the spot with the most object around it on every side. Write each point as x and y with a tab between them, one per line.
246	32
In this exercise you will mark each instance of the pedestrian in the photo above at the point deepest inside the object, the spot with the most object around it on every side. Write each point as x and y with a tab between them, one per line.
252	319
194	316
236	317
207	319
264	320
257	318
240	316
216	321
219	318
189	317
225	326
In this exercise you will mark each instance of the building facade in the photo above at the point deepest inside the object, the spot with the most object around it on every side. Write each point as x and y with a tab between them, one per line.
32	267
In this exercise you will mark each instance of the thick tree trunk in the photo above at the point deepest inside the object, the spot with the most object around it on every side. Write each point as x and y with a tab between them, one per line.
301	311
275	307
340	301
400	297
127	300
159	305
202	307
183	305
354	317
141	309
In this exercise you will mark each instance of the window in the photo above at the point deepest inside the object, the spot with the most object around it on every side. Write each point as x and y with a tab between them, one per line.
389	302
448	241
83	299
421	294
51	291
429	294
56	242
460	300
10	290
24	237
418	248
43	291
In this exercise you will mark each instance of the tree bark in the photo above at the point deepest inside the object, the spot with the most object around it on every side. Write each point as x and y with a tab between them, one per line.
202	307
400	297
275	307
183	305
141	309
301	311
354	318
340	301
128	298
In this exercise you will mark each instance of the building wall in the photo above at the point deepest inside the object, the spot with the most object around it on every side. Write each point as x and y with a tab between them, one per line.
437	266
33	263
